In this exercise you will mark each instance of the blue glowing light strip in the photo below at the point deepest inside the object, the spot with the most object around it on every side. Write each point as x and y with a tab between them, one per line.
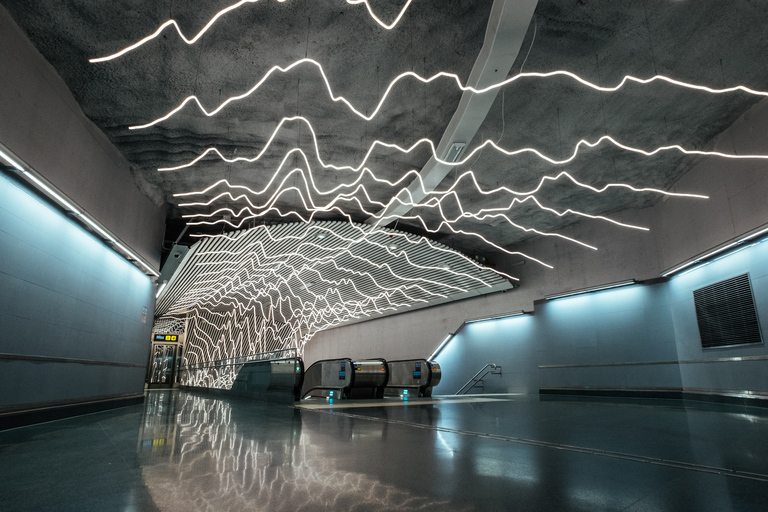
65	203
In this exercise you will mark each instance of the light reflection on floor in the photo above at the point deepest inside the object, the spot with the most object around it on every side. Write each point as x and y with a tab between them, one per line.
182	451
207	461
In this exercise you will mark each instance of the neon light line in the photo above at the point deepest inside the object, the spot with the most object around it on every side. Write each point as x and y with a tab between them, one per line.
238	266
467	158
337	251
260	291
434	77
347	196
348	217
388	218
212	21
485	213
313	325
337	303
332	306
417	176
365	233
283	257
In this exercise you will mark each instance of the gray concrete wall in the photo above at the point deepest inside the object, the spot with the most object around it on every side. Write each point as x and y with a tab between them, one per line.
66	295
408	335
737	190
653	330
41	123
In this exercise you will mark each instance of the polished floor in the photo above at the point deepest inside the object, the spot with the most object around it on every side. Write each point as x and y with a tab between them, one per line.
187	452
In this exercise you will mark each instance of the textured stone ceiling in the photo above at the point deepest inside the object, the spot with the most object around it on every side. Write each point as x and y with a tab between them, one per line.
708	42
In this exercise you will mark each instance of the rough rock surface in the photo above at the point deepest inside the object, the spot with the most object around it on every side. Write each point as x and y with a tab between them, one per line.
709	42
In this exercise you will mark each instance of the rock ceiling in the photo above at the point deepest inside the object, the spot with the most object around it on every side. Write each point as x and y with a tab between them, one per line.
707	42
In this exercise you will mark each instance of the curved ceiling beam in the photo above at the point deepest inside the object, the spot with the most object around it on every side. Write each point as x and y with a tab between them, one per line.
507	26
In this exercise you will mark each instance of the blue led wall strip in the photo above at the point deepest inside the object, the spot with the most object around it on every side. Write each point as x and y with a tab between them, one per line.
47	189
723	251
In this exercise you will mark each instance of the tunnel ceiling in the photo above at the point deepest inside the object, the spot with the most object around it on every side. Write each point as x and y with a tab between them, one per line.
302	278
705	42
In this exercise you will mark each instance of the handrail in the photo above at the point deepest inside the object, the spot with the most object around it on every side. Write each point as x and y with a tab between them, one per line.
475	379
262	356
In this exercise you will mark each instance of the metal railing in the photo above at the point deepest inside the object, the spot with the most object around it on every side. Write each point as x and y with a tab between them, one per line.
491	368
264	356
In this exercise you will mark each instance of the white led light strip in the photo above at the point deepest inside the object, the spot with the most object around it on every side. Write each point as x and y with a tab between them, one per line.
343	213
339	251
467	158
245	278
384	219
415	175
212	21
442	74
431	203
363	236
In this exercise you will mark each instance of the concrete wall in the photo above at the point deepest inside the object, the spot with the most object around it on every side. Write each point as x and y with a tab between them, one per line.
648	324
65	296
41	123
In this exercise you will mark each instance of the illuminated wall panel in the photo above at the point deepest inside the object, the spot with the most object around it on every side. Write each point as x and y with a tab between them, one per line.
614	339
642	337
508	342
68	302
721	368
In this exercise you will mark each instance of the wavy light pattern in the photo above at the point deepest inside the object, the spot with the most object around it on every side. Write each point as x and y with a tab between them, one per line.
442	74
309	205
233	7
311	186
208	440
277	291
273	287
169	325
485	213
487	143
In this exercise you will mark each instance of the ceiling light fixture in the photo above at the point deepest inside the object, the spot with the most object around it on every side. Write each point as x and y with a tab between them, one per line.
160	289
70	208
242	279
268	205
382	220
5	156
364	236
51	193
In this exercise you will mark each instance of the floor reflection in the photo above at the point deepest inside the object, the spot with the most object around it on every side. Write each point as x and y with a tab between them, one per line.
202	453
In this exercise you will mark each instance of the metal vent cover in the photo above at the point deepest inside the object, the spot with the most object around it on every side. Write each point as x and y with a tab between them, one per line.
726	313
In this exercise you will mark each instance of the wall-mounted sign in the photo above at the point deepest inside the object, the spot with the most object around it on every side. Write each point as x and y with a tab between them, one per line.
165	337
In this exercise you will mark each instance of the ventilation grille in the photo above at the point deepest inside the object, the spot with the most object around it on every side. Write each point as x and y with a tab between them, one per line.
726	313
